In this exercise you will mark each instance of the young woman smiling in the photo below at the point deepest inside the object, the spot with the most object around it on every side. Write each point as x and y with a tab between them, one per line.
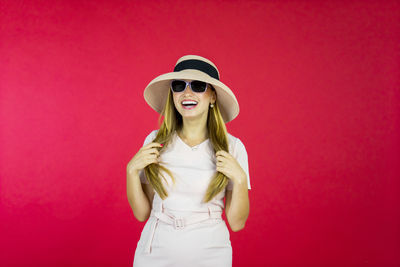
178	180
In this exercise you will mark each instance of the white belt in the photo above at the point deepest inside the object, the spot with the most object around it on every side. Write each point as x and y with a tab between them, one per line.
178	222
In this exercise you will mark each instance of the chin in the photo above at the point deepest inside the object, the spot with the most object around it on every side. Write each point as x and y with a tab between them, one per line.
192	116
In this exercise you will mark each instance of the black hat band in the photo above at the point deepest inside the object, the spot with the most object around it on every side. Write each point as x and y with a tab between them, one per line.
197	65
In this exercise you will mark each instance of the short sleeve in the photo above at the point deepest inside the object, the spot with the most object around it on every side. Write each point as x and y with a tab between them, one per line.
240	155
147	140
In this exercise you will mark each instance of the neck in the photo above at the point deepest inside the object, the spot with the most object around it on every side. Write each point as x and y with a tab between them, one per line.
194	129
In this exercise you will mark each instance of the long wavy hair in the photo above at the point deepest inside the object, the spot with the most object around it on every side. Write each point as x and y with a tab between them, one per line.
217	134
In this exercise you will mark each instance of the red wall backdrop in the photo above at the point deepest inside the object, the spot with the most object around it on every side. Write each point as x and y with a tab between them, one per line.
318	86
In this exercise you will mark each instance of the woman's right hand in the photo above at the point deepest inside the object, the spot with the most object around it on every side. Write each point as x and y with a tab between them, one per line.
146	155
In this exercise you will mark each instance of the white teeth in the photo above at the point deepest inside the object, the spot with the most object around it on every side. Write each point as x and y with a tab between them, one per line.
187	102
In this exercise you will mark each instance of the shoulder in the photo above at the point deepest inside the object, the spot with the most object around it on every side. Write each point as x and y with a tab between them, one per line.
231	142
150	137
238	151
235	144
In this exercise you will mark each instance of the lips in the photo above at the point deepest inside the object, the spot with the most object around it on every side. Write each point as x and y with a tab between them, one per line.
189	104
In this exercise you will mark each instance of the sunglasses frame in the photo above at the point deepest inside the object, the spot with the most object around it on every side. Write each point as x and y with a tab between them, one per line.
190	85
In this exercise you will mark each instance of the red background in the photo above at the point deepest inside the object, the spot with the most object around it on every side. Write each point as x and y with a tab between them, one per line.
318	87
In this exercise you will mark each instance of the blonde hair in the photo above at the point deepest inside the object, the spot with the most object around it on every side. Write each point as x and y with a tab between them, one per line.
217	134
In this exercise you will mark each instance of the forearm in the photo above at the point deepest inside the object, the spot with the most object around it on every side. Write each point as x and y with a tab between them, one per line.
137	198
239	208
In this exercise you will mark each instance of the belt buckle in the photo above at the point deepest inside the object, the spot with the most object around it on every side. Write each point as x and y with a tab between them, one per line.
179	223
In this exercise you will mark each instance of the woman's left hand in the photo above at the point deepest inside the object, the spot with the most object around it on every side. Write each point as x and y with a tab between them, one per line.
229	166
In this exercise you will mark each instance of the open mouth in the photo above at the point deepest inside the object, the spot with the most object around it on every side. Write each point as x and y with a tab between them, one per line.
189	104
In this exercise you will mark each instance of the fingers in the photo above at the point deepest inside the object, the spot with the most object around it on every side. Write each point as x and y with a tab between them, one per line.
221	165
152	158
150	150
152	154
153	144
223	159
223	154
153	151
221	169
220	160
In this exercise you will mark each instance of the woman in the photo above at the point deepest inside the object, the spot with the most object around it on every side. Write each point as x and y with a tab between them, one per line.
180	176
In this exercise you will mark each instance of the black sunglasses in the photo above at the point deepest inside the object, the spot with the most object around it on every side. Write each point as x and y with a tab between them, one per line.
178	86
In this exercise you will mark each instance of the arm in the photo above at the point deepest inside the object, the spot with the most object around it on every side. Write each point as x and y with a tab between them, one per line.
237	205
236	168
139	191
138	200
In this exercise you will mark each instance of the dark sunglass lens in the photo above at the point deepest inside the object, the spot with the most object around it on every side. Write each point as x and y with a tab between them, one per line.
199	86
178	86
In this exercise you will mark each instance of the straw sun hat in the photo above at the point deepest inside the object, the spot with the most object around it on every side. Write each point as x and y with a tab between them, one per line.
192	67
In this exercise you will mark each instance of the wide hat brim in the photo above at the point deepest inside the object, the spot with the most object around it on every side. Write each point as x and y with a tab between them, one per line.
156	92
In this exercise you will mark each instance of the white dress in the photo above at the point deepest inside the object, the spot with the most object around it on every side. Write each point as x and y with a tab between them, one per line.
205	243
